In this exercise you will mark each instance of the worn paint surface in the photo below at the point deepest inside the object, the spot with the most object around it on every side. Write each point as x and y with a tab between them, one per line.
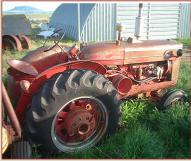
127	53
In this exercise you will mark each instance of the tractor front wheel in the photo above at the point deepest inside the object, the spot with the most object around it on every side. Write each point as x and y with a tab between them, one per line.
73	111
172	97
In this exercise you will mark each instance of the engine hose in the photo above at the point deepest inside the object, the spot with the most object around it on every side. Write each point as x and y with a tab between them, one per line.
143	80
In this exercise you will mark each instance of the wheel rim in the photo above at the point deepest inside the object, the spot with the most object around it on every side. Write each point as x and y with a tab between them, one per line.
178	101
79	124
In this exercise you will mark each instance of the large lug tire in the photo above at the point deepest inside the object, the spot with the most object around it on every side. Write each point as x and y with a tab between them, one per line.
73	111
172	97
21	150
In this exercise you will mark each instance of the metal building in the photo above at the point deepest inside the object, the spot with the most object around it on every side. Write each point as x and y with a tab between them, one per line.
16	24
96	21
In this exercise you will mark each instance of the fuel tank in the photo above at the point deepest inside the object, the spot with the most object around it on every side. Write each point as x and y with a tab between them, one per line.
129	53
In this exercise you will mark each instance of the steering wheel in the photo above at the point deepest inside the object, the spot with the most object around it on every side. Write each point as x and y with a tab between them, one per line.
56	43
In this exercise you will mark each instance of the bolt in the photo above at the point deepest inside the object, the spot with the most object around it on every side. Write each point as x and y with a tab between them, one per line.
88	107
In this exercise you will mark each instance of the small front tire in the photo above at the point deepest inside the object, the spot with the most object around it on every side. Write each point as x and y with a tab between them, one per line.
171	97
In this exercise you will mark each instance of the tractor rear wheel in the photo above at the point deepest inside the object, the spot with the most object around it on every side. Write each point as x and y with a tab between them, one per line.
73	111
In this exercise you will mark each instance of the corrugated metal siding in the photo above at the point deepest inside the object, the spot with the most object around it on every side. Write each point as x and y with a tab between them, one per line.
100	24
97	21
66	17
126	14
164	19
66	20
160	20
185	21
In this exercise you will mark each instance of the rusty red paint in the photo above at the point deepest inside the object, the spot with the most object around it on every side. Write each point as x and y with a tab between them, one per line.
75	122
105	53
121	64
36	83
137	89
25	41
42	60
39	80
122	84
22	105
129	53
23	67
10	111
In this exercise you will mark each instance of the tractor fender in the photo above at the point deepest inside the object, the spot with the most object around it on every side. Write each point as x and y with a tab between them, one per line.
47	74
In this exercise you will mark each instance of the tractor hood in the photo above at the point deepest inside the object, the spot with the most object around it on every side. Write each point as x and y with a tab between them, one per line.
129	53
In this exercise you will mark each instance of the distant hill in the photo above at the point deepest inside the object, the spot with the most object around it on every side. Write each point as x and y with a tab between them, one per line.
24	10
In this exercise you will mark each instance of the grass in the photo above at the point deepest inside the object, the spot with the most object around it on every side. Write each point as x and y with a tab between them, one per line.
184	78
152	134
186	42
36	19
144	132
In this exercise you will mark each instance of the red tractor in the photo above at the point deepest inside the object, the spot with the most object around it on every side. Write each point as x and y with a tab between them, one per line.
69	99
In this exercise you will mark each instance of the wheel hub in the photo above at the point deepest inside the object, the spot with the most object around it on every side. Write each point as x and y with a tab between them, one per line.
79	122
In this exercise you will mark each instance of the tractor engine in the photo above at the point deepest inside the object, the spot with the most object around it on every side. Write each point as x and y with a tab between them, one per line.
144	73
124	77
137	67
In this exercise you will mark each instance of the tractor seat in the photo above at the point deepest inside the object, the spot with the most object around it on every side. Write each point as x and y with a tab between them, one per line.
23	67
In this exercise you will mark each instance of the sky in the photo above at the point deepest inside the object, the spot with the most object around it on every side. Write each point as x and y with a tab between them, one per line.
47	6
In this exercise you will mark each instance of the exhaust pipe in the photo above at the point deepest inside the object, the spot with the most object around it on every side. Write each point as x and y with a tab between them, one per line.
139	23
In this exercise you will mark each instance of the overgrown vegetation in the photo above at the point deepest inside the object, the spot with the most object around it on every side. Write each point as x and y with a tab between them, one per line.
150	134
186	42
144	133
